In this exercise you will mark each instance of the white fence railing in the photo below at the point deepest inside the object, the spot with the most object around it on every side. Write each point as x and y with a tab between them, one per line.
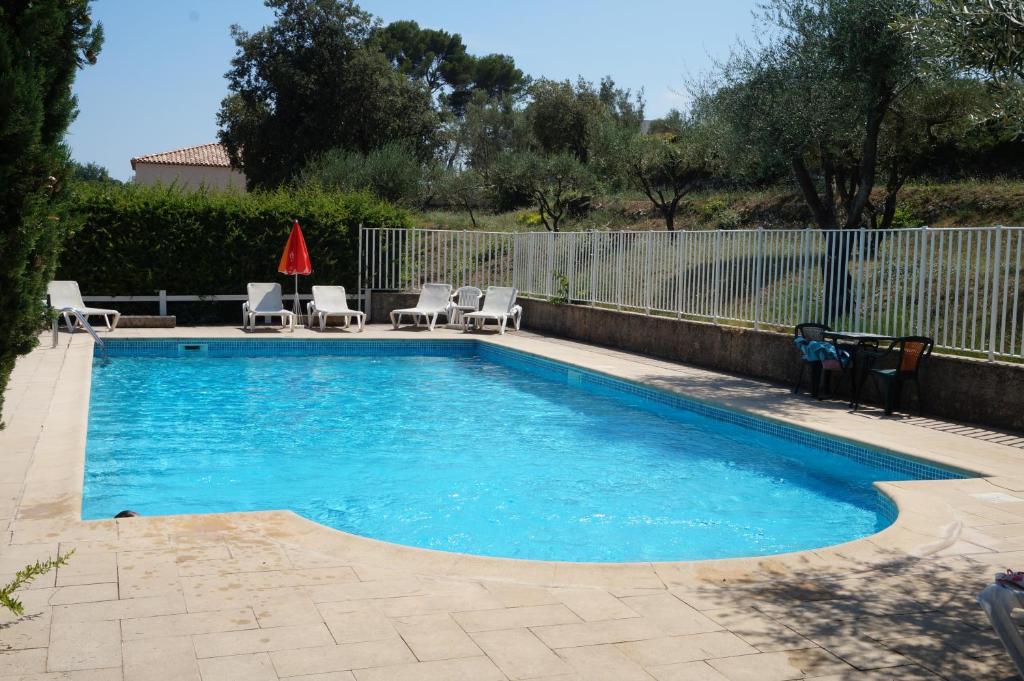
960	286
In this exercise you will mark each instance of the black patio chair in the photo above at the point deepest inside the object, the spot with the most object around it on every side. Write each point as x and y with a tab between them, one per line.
908	354
812	331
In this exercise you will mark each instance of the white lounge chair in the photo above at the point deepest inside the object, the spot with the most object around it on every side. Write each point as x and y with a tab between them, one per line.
435	300
465	299
999	601
65	296
265	301
330	301
499	306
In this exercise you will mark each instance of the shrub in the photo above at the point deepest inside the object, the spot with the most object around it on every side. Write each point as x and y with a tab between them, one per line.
137	240
391	172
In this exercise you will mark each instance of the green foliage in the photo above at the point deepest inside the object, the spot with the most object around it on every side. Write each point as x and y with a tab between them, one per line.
491	127
666	166
529	219
841	96
984	38
42	45
439	61
556	184
91	172
153	238
561	283
25	576
564	116
391	172
467	189
312	81
433	57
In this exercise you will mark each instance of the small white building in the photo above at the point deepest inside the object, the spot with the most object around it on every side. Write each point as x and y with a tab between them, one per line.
191	167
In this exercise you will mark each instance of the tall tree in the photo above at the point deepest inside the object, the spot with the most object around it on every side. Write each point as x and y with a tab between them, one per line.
311	81
42	46
492	127
564	116
433	57
439	60
818	97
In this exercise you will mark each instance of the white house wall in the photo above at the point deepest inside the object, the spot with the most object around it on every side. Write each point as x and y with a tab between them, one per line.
188	176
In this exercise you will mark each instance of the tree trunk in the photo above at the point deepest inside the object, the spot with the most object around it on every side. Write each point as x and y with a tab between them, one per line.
838	290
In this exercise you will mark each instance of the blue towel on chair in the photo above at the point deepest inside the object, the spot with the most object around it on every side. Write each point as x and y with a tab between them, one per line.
820	351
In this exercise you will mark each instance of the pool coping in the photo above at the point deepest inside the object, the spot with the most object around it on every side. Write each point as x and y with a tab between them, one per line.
928	521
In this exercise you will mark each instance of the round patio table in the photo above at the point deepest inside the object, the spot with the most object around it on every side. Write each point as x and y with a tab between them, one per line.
864	343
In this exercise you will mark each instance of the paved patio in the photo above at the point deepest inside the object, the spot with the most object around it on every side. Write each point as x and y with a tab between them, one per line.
270	595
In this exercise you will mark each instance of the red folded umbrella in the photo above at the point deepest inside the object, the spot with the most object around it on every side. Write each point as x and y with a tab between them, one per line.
295	261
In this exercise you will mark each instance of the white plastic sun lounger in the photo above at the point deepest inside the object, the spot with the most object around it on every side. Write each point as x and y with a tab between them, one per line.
435	300
330	301
265	301
499	306
65	296
998	602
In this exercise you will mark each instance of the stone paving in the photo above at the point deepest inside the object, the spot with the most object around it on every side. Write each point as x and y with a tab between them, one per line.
269	595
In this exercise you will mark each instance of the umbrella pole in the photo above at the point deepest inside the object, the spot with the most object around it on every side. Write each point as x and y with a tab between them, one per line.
298	310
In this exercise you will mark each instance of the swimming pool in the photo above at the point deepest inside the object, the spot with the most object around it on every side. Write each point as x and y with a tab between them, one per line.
461	445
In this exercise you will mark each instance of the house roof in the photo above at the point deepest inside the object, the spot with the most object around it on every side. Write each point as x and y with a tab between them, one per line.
212	155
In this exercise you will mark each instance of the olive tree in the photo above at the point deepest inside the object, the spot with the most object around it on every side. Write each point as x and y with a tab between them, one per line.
556	183
833	95
466	189
666	166
983	38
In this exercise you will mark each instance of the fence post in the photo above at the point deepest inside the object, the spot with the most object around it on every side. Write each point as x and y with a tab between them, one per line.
515	264
680	238
647	273
163	303
862	279
551	262
922	249
593	267
618	269
716	280
995	300
805	284
759	277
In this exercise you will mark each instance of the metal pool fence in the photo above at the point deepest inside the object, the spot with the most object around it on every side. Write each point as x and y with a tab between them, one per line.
960	286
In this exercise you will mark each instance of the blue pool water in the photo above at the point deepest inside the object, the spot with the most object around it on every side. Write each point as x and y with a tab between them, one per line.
461	447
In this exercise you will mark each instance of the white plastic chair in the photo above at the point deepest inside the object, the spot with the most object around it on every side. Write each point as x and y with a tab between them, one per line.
330	301
465	299
499	304
65	295
265	301
434	301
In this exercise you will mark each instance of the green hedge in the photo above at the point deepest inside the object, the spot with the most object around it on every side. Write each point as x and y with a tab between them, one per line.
137	240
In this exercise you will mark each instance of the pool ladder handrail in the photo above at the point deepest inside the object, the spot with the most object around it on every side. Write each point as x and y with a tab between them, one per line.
85	324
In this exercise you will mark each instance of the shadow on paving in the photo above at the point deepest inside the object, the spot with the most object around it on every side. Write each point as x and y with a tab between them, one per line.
911	618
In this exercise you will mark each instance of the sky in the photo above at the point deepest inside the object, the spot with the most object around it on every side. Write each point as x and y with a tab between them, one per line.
160	76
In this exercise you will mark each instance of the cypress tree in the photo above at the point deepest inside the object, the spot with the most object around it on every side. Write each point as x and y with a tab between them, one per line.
43	43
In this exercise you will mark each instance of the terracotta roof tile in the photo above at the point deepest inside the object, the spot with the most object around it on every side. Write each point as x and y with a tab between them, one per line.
203	155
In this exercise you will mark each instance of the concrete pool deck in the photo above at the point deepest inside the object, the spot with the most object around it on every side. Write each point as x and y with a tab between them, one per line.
270	595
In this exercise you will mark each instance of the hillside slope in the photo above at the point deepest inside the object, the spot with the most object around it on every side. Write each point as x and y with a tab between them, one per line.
957	204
